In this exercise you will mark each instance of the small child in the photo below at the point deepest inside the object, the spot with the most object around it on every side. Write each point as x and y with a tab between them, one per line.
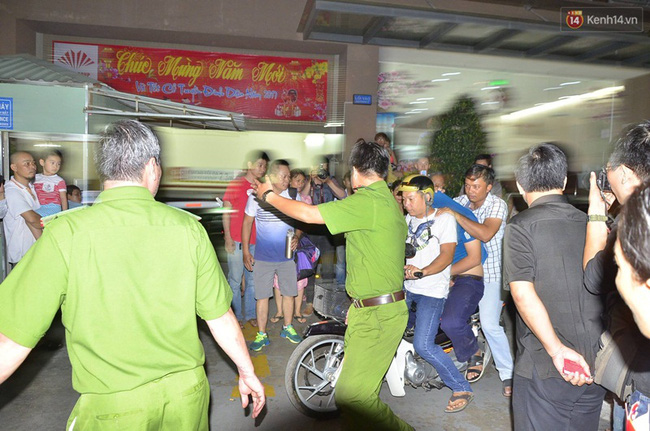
50	188
74	196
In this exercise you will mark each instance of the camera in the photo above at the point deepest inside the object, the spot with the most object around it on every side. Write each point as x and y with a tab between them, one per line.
603	182
409	251
322	173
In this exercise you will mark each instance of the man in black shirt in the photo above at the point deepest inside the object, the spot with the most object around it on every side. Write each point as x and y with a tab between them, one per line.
557	319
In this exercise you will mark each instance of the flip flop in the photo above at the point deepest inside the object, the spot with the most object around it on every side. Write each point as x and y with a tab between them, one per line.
253	322
475	366
276	318
300	318
507	388
466	396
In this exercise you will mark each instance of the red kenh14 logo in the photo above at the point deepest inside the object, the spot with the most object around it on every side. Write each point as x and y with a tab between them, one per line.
574	19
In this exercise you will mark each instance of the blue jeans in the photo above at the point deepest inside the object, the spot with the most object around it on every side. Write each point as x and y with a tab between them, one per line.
638	403
427	320
340	264
490	312
236	269
462	301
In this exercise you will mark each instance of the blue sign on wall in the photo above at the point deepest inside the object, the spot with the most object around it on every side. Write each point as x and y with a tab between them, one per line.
362	99
6	113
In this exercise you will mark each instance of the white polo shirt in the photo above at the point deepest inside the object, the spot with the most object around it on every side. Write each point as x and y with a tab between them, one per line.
19	237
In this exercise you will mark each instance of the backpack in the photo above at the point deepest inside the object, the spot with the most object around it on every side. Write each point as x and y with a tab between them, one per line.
306	257
307	254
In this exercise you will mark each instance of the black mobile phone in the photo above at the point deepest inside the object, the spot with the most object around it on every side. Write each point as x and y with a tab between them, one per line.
603	182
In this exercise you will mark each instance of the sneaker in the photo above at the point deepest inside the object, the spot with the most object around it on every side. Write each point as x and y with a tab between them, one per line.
290	334
261	340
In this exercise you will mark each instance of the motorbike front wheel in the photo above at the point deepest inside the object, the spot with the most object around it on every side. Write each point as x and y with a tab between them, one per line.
310	372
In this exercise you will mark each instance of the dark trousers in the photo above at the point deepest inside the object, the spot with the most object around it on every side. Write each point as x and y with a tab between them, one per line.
325	244
462	302
553	404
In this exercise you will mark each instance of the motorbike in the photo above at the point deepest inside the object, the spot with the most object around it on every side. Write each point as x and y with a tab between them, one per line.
314	366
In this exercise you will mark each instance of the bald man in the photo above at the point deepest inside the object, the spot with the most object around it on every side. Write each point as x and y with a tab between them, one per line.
22	225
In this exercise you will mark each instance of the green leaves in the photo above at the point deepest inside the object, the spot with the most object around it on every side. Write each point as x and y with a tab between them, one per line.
457	141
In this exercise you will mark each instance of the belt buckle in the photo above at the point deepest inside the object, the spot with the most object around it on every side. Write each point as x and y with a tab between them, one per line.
357	303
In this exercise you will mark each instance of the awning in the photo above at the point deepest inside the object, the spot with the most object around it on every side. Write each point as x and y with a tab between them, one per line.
103	100
435	29
163	110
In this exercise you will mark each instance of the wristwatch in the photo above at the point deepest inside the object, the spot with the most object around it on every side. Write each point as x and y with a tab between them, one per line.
597	217
265	194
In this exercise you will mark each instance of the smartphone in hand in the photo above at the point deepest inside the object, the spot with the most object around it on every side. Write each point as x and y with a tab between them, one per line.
573	367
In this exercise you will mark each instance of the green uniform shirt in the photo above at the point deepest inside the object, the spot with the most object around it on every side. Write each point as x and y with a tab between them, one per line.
375	238
130	275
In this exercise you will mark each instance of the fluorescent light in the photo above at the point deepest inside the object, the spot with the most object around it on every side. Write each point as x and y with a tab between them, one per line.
440	80
333	124
416	103
411	112
570	83
426	98
490	103
314	140
598	94
540	104
566	97
451	74
552	88
490	88
48	145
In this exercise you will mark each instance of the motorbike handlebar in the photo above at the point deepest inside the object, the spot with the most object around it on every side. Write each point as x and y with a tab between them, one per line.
418	274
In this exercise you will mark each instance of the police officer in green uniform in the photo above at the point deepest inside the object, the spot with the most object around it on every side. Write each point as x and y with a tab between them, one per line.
375	235
130	275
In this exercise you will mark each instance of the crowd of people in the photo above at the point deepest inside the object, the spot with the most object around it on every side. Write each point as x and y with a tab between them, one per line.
411	259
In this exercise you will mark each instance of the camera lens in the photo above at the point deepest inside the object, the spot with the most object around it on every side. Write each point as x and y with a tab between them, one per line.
409	251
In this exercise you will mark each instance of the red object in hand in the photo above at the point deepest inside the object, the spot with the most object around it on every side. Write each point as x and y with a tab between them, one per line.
573	367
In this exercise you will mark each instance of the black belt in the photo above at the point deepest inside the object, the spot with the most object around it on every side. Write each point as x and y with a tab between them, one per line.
473	277
379	300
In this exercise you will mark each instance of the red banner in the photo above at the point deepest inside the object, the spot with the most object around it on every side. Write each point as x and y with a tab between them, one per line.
279	88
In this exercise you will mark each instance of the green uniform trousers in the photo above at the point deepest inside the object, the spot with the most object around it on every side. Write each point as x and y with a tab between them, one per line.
371	340
177	401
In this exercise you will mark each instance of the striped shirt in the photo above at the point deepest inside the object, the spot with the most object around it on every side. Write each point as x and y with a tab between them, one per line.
493	207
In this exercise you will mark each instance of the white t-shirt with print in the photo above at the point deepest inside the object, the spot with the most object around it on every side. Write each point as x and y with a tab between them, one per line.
441	231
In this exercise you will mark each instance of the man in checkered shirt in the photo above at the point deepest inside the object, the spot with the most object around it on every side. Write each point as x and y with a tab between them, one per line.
491	213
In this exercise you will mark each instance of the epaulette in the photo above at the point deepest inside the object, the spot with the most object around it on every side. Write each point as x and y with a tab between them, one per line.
50	218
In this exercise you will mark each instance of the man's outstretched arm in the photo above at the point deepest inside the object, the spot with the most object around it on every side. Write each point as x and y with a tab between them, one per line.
228	335
294	209
12	355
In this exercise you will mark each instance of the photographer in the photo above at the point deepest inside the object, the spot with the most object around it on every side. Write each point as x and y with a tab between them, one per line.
623	351
324	188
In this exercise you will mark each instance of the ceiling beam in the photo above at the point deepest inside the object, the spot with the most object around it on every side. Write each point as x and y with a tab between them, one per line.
309	22
375	26
439	31
549	44
639	60
495	38
602	50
